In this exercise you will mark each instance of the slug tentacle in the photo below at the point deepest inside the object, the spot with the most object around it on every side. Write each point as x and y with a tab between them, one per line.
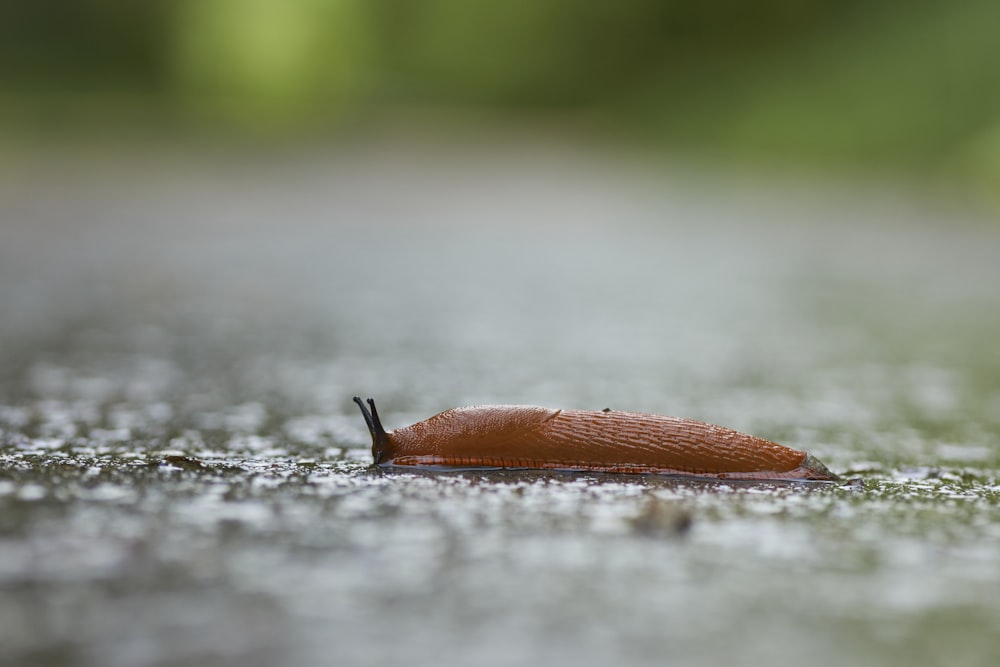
522	436
380	439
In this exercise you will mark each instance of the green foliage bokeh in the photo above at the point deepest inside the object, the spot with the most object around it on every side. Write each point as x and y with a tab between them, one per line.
912	84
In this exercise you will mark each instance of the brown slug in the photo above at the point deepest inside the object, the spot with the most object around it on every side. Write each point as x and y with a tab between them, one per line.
530	437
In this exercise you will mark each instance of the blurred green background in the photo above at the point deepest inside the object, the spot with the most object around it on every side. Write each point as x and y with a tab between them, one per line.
908	86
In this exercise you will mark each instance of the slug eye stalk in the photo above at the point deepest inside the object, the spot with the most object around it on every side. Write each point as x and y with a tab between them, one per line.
380	439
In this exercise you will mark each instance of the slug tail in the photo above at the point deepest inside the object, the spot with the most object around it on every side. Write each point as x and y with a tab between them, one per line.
380	439
813	468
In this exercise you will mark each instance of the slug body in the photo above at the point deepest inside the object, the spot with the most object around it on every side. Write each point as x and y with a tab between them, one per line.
515	436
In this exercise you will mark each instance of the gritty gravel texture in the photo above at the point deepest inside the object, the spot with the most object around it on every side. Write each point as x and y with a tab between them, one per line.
185	481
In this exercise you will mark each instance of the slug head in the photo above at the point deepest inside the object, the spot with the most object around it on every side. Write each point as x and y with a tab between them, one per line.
380	439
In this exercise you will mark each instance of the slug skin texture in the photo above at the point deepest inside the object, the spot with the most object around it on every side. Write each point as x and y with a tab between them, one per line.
531	437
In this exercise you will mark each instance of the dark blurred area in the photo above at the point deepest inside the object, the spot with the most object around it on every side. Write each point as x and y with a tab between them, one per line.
913	86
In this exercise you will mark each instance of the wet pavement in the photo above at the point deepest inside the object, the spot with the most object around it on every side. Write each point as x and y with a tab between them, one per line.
184	479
